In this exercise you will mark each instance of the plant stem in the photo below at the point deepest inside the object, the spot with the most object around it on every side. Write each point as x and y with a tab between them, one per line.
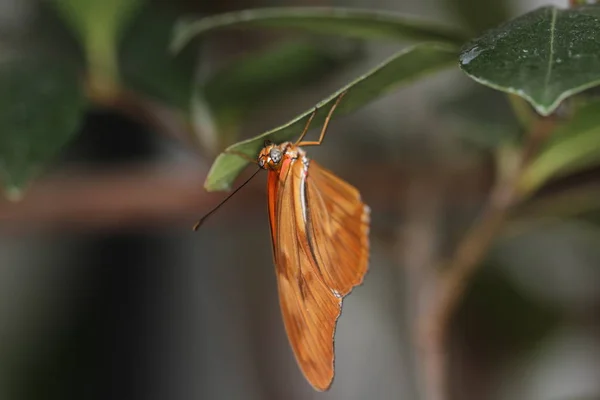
103	66
452	279
420	234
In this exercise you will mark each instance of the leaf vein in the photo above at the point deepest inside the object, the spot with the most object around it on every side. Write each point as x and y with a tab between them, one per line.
551	56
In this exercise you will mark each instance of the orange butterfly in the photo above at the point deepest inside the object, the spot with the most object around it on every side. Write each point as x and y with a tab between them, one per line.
320	235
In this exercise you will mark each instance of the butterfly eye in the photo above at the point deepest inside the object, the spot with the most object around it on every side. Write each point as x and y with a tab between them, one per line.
275	155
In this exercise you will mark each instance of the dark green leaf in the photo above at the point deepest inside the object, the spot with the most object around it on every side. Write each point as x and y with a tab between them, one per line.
48	34
544	56
402	68
146	64
356	23
573	146
41	107
237	90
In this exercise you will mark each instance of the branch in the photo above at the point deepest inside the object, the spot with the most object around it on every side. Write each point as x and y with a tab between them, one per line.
82	198
119	198
418	245
453	278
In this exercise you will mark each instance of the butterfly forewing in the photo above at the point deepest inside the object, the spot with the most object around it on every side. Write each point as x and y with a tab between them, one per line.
310	236
338	226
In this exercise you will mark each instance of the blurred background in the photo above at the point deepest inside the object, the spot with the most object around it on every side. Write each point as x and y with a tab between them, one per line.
106	292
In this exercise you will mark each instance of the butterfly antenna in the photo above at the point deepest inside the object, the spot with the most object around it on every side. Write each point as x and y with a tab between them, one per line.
201	220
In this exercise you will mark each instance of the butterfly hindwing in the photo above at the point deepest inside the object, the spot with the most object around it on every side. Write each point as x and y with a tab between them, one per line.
338	229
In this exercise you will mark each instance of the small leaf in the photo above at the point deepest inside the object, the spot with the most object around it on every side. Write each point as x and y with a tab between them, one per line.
41	107
355	23
574	146
261	77
402	68
544	56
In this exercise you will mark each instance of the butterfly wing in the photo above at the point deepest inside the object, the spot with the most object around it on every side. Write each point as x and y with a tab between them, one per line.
309	308
337	229
319	228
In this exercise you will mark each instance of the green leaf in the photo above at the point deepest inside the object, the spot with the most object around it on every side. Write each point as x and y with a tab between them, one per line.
574	146
145	61
544	56
261	77
355	23
404	67
41	107
98	24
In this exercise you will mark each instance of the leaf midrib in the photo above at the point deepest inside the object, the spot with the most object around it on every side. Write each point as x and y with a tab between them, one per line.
551	56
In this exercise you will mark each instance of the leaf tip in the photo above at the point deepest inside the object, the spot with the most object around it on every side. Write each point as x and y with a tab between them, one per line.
211	185
182	34
542	109
178	38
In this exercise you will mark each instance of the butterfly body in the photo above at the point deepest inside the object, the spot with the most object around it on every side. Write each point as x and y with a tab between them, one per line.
319	230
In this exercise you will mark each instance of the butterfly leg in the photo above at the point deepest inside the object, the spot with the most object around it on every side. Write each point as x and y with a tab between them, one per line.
325	124
307	125
244	156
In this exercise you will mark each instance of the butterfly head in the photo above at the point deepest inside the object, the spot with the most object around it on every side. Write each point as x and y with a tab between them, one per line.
271	156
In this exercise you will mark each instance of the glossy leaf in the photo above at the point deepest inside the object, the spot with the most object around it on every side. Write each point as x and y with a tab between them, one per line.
402	68
573	146
544	56
356	23
41	107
